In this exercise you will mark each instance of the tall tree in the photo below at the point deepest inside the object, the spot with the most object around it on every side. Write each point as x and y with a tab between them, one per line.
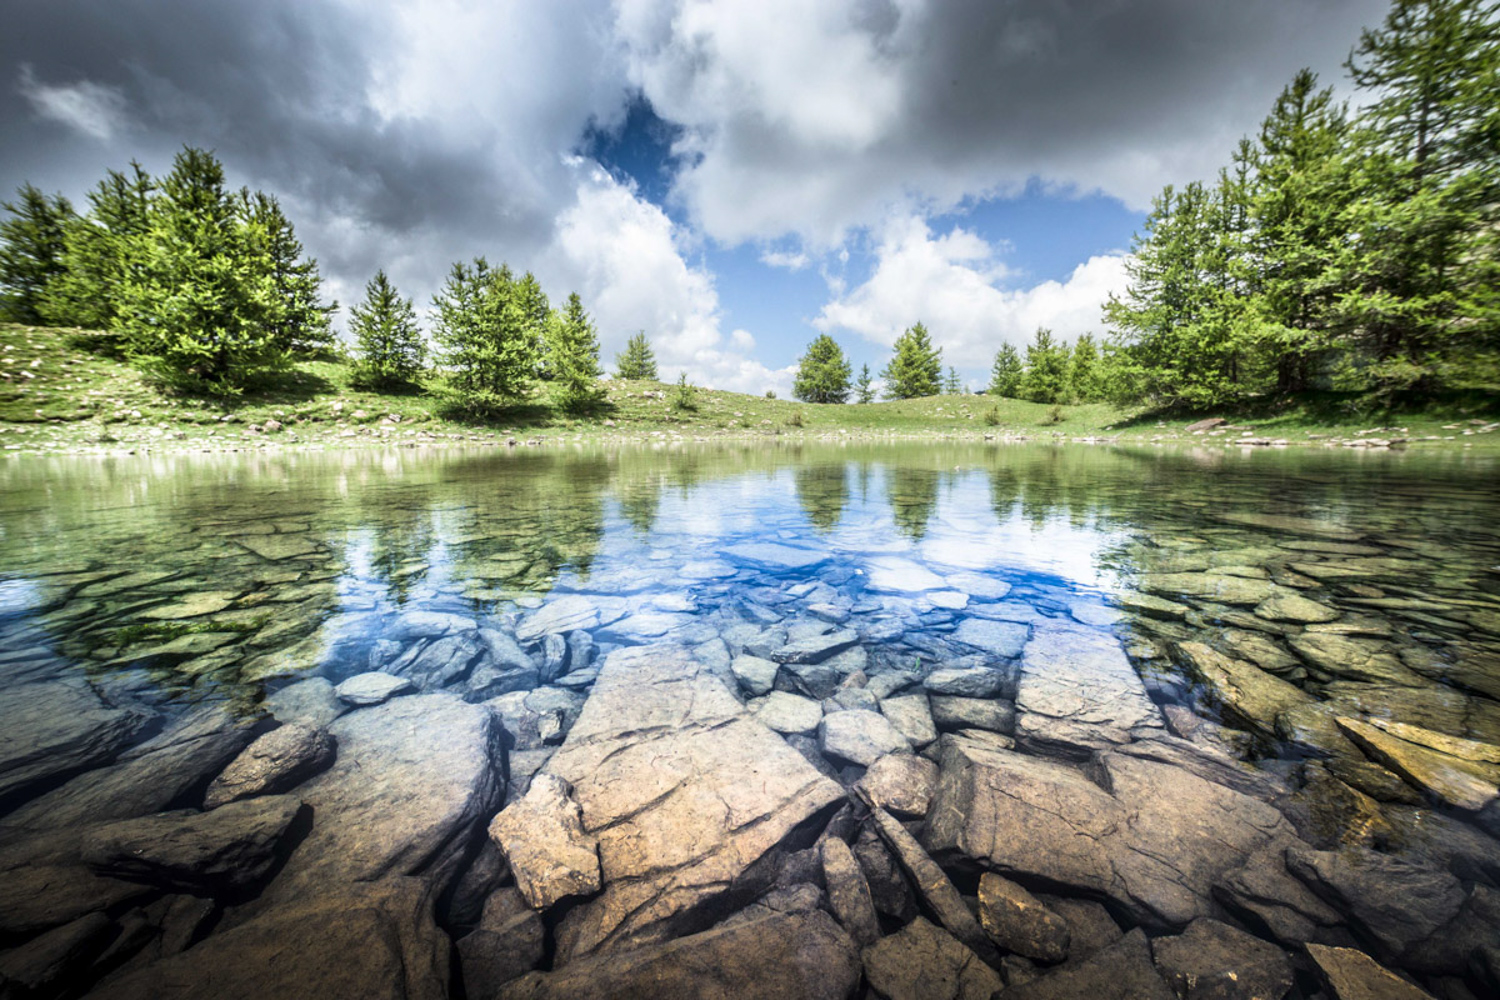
573	356
1005	374
488	345
31	251
537	314
98	251
391	348
916	369
299	320
1083	370
822	373
1046	378
637	360
198	296
863	390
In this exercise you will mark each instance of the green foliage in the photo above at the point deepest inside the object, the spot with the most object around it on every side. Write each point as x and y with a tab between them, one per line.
917	367
770	393
795	420
141	631
684	396
1046	376
951	385
1084	377
97	253
538	317
31	255
390	346
297	320
637	360
489	347
864	391
1005	374
992	416
573	357
1054	414
822	373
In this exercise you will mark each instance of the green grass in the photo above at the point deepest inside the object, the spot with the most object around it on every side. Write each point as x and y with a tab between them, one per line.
61	392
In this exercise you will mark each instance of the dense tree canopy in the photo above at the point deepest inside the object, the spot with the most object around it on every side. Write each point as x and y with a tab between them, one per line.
917	367
637	360
391	351
822	373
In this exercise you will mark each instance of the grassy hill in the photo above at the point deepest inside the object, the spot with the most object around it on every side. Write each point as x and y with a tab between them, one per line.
59	393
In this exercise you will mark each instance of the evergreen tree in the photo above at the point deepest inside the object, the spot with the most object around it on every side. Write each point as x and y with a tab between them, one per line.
31	252
391	349
1005	375
573	357
636	361
488	344
822	373
198	298
952	386
917	367
538	317
1083	370
864	391
1046	378
97	253
298	319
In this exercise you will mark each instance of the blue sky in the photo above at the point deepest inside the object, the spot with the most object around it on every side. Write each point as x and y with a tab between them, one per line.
734	177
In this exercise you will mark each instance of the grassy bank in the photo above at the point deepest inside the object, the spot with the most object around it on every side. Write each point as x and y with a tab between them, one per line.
59	394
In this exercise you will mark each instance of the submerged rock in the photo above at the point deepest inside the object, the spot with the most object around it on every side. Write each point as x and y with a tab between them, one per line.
1122	971
1352	975
1002	639
912	716
1397	903
275	762
543	841
1355	659
50	729
1287	607
848	892
900	783
1468	784
1214	961
46	964
1019	922
372	688
1220	587
1078	692
509	942
923	962
1248	695
934	887
860	736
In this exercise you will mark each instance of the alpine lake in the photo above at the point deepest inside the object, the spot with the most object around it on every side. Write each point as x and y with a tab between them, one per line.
899	721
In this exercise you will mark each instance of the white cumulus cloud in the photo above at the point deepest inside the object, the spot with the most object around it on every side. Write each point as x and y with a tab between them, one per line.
91	108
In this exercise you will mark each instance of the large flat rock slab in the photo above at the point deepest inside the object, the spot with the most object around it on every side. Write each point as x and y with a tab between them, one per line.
689	797
53	728
1078	692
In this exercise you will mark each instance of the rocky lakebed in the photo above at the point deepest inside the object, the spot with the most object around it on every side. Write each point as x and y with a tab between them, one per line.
901	723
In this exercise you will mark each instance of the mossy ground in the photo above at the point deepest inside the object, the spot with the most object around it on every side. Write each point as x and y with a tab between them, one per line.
61	393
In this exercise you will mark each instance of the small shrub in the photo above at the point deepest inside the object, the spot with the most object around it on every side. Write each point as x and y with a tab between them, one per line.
686	397
770	393
795	420
1054	414
992	416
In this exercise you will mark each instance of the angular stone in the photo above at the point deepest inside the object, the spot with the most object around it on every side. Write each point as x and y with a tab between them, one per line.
38	896
812	680
372	688
1078	692
51	729
1352	975
543	841
1292	525
566	614
230	849
1214	961
691	799
756	675
278	547
1356	659
924	962
413	780
893	574
1467	784
816	648
932	885
1019	922
951	713
1122	971
509	942
1247	694
861	737
912	716
769	956
774	556
1262	650
191	607
901	784
275	762
45	964
966	682
311	703
1220	587
848	893
1151	605
1267	892
1002	639
1397	903
307	949
1287	607
789	713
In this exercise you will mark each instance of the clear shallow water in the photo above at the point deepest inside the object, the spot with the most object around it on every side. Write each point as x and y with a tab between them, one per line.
1237	606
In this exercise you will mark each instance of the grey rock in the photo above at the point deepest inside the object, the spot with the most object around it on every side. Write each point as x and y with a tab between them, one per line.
50	729
1214	961
554	657
1367	660
691	799
1019	922
924	962
775	556
816	648
36	897
312	703
911	714
950	713
1002	639
1265	892
46	964
544	843
536	718
889	890
814	959
966	682
1122	971
427	625
1397	903
509	942
275	762
1078	692
932	885
756	675
372	688
814	680
1350	974
231	849
848	892
860	737
901	784
566	614
1247	694
789	713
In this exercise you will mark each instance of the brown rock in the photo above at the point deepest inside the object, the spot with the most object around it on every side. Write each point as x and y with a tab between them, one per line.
1353	975
933	886
923	962
848	893
1214	961
543	840
275	762
1017	921
901	784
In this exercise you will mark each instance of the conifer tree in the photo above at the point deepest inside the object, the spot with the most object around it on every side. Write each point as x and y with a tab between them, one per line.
822	373
952	386
1005	375
98	250
31	252
538	316
1083	370
864	391
391	348
488	345
636	361
1046	378
298	319
573	357
917	367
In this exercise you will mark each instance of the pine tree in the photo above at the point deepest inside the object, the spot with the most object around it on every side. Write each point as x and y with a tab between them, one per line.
636	361
822	373
1046	378
488	345
538	316
1005	375
1083	370
952	386
299	321
573	357
391	349
198	296
865	392
98	251
917	367
31	252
